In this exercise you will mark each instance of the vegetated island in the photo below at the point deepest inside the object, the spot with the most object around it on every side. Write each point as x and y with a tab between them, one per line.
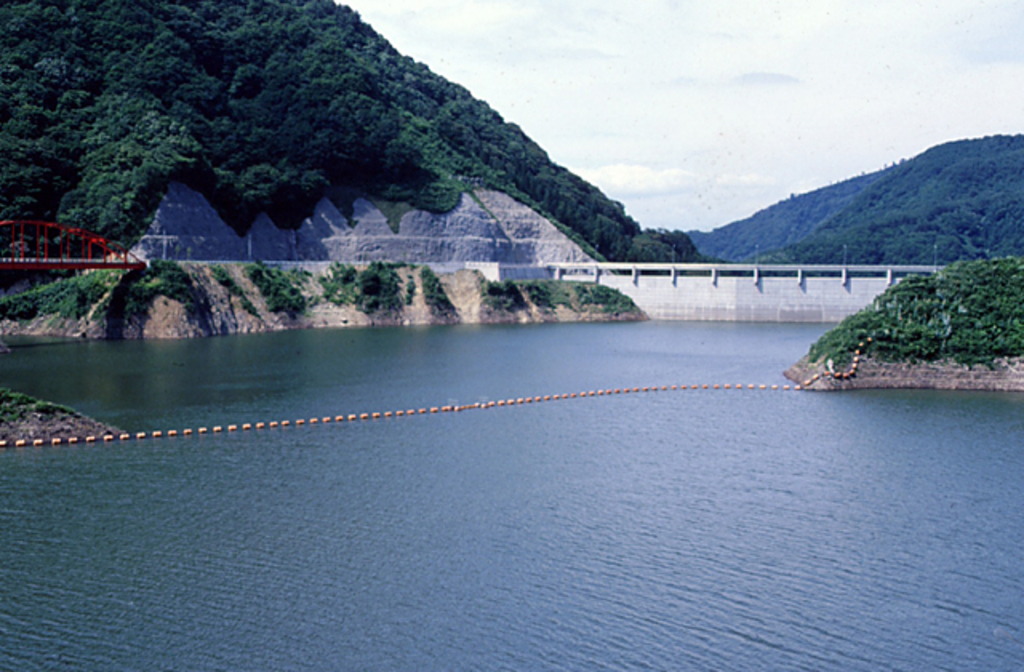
188	300
960	329
25	418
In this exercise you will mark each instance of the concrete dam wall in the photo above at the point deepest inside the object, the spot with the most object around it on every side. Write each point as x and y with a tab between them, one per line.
743	293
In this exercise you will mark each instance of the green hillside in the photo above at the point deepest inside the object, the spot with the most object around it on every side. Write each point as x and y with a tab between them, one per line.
958	201
259	105
970	312
782	224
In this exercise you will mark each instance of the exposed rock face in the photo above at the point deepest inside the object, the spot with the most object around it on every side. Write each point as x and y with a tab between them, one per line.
187	227
1004	376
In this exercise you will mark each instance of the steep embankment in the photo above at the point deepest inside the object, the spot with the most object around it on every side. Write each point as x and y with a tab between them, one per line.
486	226
191	300
24	418
961	329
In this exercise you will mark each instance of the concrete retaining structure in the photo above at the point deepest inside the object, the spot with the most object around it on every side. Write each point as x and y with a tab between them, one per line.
743	292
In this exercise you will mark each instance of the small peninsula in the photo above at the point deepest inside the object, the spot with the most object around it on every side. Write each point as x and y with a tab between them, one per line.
27	419
960	329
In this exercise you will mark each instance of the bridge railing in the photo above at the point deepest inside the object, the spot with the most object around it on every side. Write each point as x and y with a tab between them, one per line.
593	271
36	245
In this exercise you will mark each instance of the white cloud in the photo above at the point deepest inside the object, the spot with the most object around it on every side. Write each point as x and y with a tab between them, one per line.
697	113
633	180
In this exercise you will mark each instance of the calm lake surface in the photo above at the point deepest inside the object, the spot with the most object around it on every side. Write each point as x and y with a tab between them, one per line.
697	530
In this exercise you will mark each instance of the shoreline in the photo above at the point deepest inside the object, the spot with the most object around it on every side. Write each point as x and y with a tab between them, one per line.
218	310
1005	375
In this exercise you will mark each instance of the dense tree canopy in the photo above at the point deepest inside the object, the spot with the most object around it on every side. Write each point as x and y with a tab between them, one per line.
259	105
958	201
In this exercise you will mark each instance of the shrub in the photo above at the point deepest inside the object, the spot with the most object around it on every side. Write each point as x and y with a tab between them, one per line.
280	289
603	298
433	292
339	284
221	275
72	297
161	278
502	295
379	286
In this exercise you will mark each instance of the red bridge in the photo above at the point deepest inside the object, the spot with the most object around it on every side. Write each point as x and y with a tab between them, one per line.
46	246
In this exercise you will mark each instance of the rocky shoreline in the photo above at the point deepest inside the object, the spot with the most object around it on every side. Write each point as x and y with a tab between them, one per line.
1005	375
218	310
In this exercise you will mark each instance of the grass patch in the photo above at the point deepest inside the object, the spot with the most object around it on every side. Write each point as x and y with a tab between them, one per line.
15	406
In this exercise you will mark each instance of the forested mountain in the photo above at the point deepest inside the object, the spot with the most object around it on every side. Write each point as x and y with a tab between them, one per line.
259	105
782	224
957	201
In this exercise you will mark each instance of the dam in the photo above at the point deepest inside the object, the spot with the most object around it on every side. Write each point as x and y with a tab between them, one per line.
730	292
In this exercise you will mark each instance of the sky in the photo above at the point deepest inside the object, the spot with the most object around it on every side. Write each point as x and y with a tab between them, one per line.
694	114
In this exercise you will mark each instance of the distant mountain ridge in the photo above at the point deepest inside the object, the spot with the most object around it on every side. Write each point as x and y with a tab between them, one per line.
961	200
785	223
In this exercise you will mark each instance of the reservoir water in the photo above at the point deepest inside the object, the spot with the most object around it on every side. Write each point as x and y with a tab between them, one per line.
696	530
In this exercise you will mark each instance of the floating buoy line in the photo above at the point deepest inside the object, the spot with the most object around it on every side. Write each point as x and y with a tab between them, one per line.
363	417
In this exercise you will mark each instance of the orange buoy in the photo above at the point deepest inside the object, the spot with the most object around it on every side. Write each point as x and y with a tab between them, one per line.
19	443
387	414
108	437
694	387
246	426
260	425
376	416
785	387
353	417
705	386
422	411
37	442
364	416
313	421
140	435
547	397
55	442
187	432
775	387
433	409
232	428
636	389
796	387
326	419
172	433
89	439
285	423
273	424
501	402
157	434
399	414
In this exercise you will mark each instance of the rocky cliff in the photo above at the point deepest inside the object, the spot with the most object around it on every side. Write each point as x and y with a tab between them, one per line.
485	226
